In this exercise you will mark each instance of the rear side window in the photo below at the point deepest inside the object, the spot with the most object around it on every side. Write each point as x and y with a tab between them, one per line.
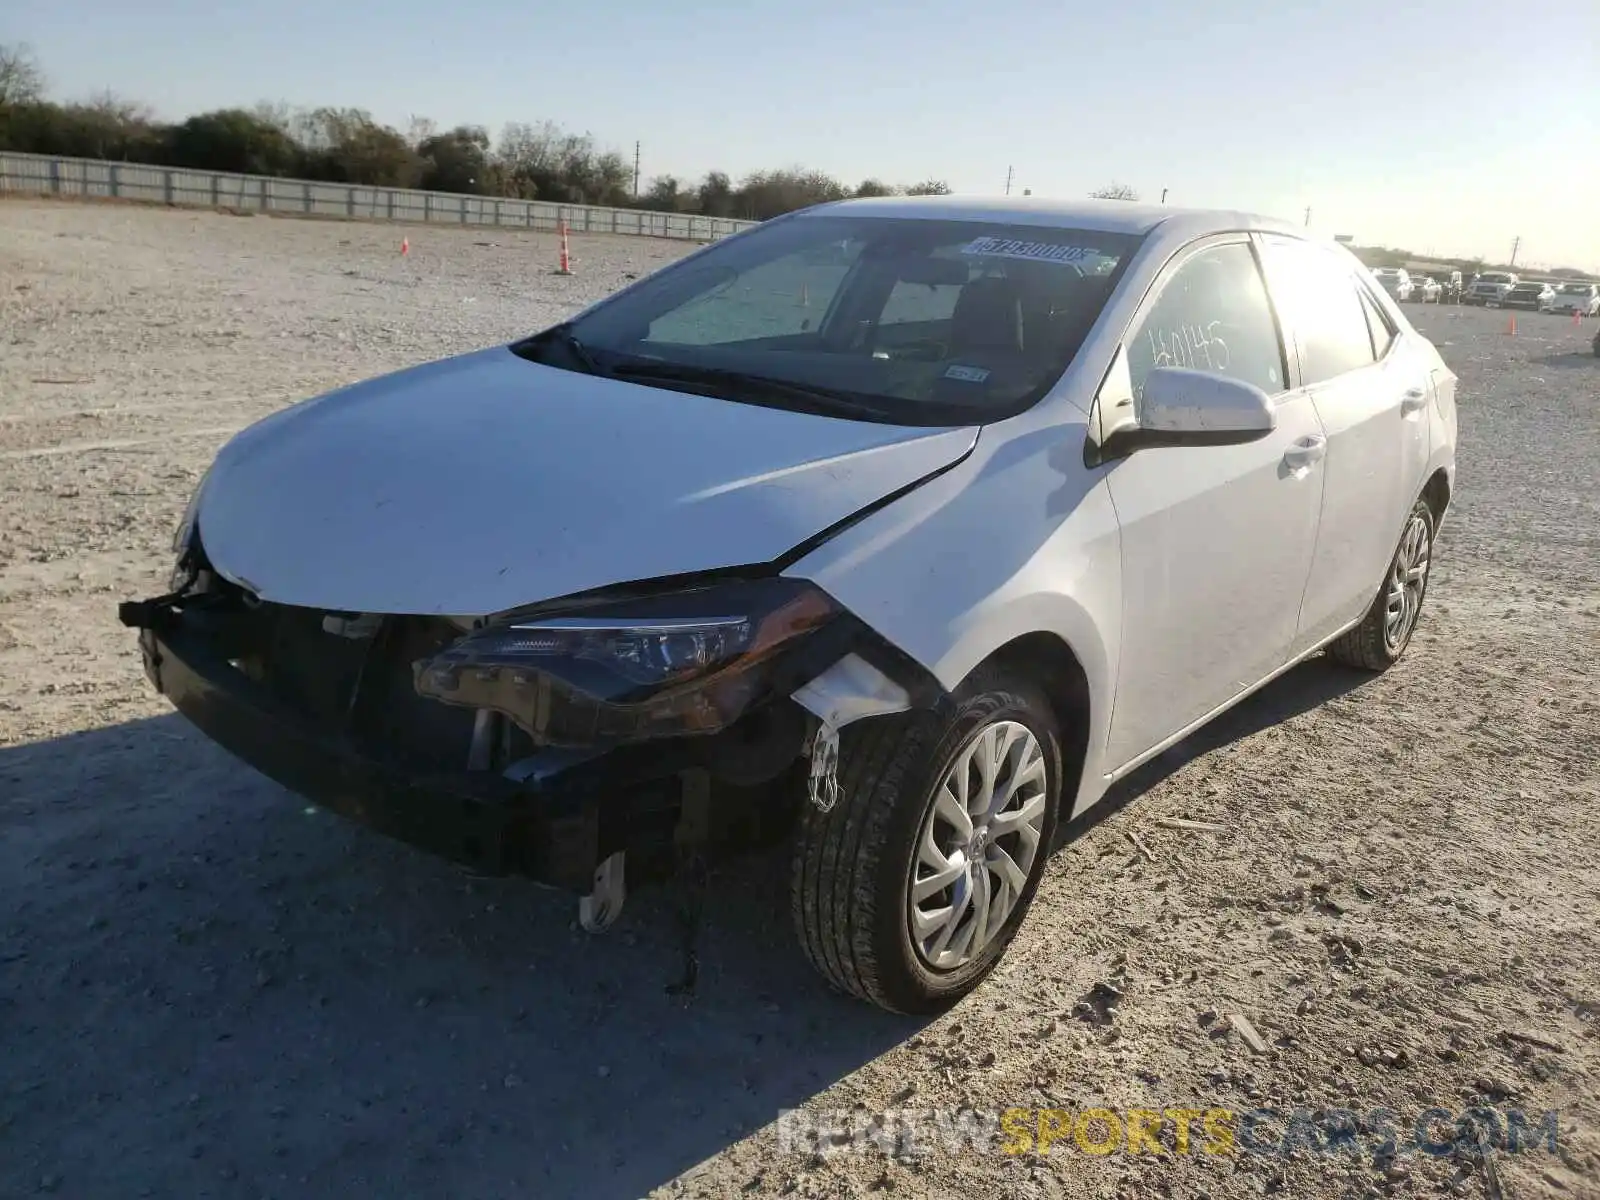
1323	302
1212	314
931	298
1383	333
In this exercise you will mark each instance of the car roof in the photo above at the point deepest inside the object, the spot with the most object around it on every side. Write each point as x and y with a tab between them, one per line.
1099	216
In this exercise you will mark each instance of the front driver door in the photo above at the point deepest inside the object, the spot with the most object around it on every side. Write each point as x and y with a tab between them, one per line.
1217	541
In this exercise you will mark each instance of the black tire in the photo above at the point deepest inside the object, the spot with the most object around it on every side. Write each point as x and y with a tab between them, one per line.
1368	647
852	865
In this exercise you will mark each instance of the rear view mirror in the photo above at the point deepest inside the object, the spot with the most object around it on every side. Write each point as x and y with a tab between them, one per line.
1183	407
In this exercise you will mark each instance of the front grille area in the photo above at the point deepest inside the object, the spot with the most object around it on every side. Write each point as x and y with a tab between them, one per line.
362	687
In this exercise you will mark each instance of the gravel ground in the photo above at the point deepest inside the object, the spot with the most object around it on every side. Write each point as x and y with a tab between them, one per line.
207	990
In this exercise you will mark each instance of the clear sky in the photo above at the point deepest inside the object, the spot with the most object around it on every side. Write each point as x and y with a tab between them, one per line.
1446	125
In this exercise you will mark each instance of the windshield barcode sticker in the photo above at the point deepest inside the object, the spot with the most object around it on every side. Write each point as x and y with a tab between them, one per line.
967	374
995	247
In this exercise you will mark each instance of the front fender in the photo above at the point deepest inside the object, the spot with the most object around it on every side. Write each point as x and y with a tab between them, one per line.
1019	539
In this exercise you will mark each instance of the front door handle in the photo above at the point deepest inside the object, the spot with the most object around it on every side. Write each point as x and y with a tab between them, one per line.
1306	451
1414	400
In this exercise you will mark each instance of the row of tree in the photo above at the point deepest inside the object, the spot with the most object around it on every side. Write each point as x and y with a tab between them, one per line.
346	145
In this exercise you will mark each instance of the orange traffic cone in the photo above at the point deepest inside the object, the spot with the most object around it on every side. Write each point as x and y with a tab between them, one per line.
405	247
1511	325
1577	316
566	257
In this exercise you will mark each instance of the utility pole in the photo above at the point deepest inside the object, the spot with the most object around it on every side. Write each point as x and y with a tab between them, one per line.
1516	244
1308	217
636	170
1009	171
1163	195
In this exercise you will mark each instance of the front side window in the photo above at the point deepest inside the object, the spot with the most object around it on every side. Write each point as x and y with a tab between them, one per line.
910	321
1211	314
1319	295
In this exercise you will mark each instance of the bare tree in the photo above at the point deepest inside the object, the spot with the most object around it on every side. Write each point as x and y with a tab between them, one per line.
21	80
120	110
422	129
1114	191
278	114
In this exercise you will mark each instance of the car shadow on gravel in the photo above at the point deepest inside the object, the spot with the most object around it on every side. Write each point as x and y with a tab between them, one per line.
1299	690
206	988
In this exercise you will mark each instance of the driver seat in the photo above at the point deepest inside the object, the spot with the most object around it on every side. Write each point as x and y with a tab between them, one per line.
987	316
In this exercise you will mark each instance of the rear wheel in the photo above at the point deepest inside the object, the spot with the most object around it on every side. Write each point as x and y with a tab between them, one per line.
907	892
1383	635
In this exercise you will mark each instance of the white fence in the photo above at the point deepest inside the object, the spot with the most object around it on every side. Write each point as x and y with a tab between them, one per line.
37	174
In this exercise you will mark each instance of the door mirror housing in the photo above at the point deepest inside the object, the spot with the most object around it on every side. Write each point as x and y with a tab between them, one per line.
1184	407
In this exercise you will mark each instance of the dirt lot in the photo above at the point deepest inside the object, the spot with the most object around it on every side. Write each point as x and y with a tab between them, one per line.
206	989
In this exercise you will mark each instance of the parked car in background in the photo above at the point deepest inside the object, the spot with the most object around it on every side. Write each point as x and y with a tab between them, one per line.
1425	289
1534	294
1396	281
1577	298
867	571
1489	288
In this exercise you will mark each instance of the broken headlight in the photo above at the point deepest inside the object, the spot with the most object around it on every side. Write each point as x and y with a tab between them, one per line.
687	662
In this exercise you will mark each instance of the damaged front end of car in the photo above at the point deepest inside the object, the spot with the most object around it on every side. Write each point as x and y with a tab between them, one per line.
646	725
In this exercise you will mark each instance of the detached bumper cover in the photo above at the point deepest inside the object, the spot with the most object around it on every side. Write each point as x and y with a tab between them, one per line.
485	821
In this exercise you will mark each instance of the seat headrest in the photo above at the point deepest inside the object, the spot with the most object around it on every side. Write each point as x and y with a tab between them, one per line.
988	316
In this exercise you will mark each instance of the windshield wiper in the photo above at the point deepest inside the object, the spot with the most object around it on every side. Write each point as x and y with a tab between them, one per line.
562	335
737	385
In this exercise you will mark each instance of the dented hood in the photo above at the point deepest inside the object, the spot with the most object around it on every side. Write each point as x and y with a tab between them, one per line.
484	482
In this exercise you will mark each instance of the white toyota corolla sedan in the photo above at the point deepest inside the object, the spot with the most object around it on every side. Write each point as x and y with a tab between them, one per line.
897	528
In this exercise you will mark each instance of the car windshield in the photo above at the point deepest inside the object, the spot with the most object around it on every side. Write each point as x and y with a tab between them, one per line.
904	320
1577	289
1494	277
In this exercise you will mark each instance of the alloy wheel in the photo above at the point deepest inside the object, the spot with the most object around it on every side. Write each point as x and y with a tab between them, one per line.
1408	578
977	846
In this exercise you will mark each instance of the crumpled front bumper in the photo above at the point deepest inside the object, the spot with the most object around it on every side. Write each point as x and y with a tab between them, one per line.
554	816
552	828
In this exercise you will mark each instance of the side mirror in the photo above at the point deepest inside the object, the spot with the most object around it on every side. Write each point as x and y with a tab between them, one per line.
1183	407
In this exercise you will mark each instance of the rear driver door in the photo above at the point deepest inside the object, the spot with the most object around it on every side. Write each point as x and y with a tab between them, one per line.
1373	393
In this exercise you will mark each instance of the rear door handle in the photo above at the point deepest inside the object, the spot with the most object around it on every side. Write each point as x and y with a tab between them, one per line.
1306	451
1414	400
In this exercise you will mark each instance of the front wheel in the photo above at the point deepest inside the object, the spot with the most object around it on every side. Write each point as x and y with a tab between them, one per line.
908	890
1384	633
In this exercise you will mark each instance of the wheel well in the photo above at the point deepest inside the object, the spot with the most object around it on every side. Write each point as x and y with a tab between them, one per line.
1050	662
1437	493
